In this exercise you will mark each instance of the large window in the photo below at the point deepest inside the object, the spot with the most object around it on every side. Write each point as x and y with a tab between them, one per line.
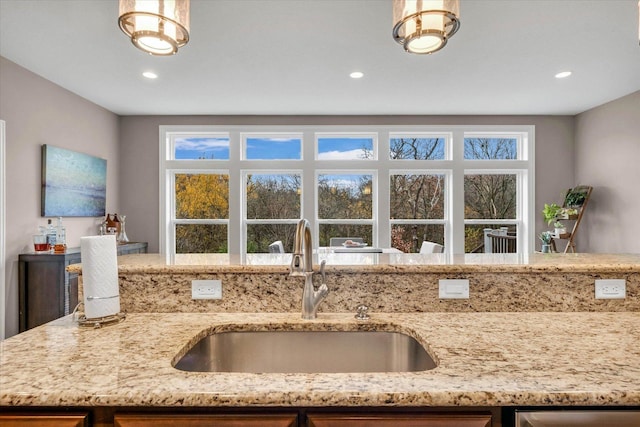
241	190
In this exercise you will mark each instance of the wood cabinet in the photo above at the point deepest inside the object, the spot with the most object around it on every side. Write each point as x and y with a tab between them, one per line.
44	420
46	291
251	417
207	420
399	420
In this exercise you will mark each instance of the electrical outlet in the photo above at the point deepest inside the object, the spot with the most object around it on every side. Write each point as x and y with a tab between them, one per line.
611	288
206	289
453	288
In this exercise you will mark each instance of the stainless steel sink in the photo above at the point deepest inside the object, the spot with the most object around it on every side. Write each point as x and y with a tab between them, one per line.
306	352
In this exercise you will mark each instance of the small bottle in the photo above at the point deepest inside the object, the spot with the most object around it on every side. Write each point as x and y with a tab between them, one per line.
61	238
110	225
51	235
117	223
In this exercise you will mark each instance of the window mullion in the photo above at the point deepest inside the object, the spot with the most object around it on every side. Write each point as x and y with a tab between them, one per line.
455	230
236	201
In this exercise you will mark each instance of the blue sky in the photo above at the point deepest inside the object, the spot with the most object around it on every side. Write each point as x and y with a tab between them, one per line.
197	148
329	148
272	148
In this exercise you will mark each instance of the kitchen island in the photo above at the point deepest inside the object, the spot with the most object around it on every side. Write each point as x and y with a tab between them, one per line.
531	334
484	361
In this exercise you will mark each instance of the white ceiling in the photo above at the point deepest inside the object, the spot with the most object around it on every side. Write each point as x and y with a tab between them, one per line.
295	56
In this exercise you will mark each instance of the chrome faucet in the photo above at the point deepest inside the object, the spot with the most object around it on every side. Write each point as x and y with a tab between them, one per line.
302	265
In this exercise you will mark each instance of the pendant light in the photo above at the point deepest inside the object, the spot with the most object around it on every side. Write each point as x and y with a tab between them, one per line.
158	27
424	26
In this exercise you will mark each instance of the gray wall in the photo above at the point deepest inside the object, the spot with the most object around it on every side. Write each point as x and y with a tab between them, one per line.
608	158
140	162
39	112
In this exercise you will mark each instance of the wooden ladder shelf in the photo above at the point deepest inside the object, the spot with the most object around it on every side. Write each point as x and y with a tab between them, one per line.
570	235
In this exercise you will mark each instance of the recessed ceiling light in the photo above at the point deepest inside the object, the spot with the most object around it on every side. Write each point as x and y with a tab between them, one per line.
356	75
563	74
150	75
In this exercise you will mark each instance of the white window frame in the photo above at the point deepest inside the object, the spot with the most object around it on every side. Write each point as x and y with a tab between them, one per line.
448	230
353	221
454	166
173	221
249	221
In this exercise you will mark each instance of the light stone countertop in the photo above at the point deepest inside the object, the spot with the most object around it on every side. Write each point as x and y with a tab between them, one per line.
484	359
384	263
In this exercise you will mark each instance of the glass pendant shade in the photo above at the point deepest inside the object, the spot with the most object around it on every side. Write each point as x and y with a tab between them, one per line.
424	26
158	27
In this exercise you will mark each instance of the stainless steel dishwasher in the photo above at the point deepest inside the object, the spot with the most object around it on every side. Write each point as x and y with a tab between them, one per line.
578	418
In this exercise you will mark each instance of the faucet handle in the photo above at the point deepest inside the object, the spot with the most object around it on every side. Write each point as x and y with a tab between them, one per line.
322	273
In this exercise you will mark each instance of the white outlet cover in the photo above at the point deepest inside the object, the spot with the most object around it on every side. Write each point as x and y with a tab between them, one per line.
611	288
206	289
453	288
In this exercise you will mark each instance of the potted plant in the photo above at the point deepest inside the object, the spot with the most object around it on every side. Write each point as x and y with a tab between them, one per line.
551	212
575	198
559	228
545	237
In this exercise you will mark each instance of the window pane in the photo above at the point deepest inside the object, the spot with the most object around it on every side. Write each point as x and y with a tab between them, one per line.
201	148
490	196
327	231
260	236
201	238
409	237
273	148
416	148
474	240
345	196
490	148
273	196
347	148
417	196
202	196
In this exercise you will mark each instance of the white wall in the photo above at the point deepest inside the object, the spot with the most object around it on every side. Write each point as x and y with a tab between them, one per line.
3	292
37	112
608	158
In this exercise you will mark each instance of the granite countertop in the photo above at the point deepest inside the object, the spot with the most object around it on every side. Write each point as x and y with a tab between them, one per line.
383	263
484	359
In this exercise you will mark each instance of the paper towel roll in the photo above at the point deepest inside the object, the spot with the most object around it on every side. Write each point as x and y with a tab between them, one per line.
100	276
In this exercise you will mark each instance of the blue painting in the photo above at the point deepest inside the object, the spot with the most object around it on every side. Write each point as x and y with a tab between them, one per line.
73	184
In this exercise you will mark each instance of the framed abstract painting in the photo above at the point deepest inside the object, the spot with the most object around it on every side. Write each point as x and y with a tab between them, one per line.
73	184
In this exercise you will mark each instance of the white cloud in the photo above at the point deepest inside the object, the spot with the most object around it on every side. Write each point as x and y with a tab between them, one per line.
343	155
198	144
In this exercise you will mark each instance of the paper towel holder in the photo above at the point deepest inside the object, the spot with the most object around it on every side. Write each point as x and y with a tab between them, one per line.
91	298
98	322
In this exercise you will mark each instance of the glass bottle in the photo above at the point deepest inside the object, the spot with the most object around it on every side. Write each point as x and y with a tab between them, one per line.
61	238
122	236
51	235
110	225
117	224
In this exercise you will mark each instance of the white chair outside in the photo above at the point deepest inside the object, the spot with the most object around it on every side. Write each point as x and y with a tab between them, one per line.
431	248
276	247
